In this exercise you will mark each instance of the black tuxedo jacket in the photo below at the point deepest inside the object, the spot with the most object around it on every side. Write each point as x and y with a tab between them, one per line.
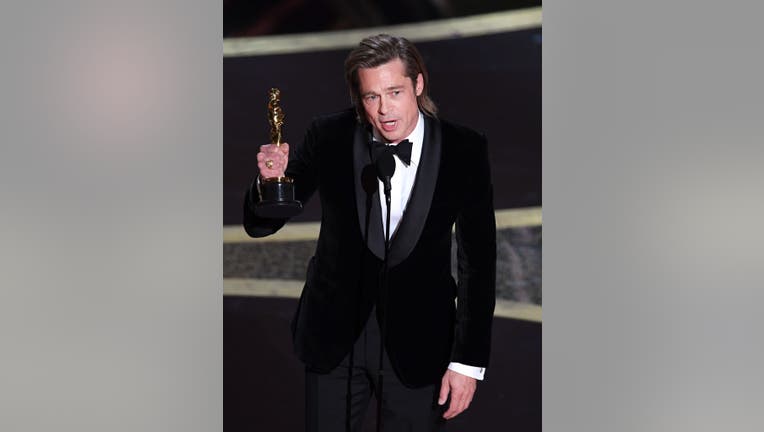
426	329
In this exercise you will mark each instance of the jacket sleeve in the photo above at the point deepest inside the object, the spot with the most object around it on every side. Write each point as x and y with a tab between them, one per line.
302	168
476	270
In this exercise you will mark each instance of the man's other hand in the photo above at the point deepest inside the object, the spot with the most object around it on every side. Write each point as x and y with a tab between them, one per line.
462	389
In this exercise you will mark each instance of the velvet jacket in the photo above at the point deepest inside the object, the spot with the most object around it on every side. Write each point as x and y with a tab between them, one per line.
426	328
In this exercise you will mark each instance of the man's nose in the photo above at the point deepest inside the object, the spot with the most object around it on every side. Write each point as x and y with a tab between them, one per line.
382	108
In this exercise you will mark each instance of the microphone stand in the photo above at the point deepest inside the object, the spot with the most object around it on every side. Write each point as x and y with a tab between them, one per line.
383	296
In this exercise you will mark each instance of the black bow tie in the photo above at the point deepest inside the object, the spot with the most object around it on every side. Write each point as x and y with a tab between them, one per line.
402	149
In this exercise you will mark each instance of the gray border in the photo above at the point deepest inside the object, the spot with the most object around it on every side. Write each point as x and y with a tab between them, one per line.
110	172
653	204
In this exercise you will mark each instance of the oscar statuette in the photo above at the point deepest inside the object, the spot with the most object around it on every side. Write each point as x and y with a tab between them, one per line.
276	193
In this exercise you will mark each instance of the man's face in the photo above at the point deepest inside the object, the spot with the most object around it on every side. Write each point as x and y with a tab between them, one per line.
389	99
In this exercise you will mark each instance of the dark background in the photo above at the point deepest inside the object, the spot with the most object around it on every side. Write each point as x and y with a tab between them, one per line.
263	17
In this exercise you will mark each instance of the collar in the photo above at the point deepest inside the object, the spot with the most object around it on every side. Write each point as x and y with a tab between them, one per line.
416	137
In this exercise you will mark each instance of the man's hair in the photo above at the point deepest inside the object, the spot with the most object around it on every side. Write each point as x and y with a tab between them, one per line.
378	50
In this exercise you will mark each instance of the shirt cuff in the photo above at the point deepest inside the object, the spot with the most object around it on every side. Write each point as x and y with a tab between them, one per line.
470	371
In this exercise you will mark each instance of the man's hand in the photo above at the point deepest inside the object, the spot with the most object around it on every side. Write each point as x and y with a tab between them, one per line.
462	389
272	160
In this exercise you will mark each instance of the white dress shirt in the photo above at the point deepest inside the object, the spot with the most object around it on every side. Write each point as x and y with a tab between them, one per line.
401	184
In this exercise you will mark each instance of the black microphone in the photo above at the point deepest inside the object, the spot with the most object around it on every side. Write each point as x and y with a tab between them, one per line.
385	170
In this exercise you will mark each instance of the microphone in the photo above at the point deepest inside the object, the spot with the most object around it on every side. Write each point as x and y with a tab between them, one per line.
385	170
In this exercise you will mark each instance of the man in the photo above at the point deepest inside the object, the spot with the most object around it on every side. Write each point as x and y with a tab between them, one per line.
434	350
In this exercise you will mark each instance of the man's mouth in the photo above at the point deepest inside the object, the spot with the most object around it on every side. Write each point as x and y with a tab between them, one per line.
388	126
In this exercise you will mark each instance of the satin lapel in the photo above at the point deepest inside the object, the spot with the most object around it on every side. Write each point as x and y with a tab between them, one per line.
367	194
412	223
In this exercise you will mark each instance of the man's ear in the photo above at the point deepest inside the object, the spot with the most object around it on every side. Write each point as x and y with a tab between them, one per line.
419	84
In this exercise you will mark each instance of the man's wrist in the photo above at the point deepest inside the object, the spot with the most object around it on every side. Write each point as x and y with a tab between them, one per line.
471	371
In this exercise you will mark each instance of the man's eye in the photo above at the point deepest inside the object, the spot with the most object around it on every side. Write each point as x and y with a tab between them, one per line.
396	92
370	98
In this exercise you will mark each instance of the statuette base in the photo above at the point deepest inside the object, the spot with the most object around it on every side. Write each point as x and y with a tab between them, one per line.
277	200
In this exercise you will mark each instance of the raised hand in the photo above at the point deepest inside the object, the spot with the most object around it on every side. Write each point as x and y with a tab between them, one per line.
272	160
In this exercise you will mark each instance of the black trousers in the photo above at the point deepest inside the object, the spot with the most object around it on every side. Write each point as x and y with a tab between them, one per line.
328	407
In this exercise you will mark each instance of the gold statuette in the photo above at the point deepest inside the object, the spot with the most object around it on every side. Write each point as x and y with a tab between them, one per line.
275	115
